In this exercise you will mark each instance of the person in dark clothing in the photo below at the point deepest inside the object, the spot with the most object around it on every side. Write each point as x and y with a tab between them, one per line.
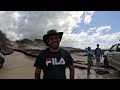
53	60
98	56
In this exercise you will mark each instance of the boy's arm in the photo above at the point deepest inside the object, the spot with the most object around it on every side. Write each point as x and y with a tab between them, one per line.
70	65
72	71
95	52
37	73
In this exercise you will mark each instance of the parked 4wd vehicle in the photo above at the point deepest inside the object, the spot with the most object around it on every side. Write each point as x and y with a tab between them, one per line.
112	57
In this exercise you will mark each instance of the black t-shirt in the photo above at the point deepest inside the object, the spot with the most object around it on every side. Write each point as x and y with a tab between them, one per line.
53	63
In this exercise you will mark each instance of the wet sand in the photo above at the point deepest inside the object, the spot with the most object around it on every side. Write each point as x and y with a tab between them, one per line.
20	66
17	66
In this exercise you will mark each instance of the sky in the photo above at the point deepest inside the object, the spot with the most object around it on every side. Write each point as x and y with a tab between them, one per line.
81	28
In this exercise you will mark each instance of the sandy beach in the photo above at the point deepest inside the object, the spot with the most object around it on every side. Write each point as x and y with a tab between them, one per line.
17	66
20	66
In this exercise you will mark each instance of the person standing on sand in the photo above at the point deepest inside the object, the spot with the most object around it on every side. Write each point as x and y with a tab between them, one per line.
89	59
98	56
53	60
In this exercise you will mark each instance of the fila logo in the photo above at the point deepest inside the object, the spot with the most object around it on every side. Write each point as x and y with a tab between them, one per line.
54	61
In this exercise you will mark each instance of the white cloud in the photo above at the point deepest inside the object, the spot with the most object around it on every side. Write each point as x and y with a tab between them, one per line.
107	28
88	16
34	24
84	39
100	31
93	28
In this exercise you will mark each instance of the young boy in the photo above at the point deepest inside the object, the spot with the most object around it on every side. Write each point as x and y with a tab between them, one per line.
90	59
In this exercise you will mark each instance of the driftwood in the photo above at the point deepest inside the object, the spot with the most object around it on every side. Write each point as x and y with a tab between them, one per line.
29	52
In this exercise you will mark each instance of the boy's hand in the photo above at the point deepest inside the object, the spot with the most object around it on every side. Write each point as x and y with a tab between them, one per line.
94	57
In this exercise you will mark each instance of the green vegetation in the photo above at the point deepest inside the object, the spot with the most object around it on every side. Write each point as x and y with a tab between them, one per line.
3	37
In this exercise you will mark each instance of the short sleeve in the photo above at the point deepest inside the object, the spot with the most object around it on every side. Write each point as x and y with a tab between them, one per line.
69	59
39	61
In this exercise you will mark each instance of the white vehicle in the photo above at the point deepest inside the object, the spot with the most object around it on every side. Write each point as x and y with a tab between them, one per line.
112	56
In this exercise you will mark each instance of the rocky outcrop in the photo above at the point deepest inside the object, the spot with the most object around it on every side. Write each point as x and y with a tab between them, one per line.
5	50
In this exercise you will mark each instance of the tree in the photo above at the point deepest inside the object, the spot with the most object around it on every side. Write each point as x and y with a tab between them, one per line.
3	37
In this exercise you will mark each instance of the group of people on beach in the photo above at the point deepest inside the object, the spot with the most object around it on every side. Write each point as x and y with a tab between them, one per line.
96	55
54	60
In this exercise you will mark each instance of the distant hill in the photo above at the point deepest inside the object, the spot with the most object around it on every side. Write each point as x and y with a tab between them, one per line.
28	44
36	44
